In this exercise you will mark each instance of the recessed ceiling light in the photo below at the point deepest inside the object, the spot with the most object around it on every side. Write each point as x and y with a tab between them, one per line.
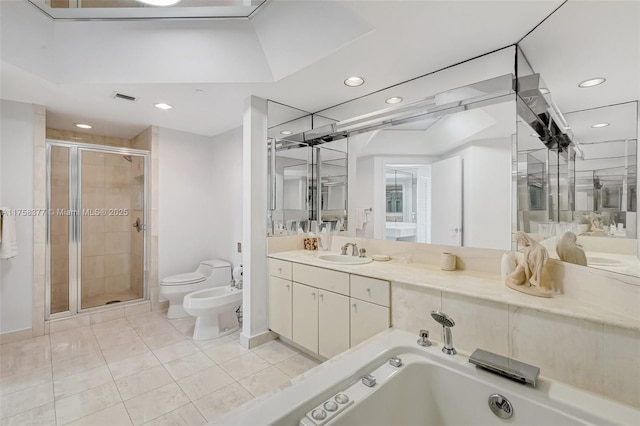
354	81
592	82
160	2
162	105
535	135
394	100
286	132
83	126
544	91
599	125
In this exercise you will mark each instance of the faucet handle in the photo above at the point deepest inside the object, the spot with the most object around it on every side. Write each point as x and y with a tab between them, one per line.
363	252
344	250
424	338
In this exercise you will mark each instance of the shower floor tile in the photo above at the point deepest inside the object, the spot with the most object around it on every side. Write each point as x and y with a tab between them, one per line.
104	299
120	380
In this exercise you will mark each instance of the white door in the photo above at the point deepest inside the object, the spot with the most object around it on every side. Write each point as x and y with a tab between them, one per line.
280	306
333	320
305	316
367	319
446	202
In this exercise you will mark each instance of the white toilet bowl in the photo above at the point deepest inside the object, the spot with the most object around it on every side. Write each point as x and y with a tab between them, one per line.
215	311
210	273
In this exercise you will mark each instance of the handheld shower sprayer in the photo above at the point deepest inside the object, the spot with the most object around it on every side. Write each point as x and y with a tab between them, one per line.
446	322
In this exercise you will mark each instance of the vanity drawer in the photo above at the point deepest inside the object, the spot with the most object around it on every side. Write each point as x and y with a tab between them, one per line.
370	290
280	268
326	279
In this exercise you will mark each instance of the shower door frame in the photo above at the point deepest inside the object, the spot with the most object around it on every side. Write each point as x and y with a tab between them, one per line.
75	225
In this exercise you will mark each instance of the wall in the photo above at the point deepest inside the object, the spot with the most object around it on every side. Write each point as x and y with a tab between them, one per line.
18	130
226	170
200	198
186	200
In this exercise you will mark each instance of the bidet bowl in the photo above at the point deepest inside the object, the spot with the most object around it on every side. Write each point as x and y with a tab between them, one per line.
211	298
344	259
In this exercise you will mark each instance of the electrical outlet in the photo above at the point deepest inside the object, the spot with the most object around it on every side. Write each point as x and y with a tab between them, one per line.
239	247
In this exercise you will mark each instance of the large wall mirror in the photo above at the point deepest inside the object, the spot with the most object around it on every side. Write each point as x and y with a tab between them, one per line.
307	180
467	126
587	186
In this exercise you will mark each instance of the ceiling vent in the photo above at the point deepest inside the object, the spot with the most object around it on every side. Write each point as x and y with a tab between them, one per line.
124	97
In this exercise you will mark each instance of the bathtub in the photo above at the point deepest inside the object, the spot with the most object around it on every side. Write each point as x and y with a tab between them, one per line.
429	388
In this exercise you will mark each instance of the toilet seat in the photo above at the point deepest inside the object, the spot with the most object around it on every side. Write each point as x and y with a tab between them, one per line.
186	278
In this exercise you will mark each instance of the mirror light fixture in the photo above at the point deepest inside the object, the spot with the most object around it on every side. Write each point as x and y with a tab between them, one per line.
394	100
83	126
286	132
592	82
161	3
599	125
162	105
354	81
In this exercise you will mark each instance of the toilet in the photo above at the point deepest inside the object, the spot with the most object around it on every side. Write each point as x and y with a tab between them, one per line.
210	273
215	311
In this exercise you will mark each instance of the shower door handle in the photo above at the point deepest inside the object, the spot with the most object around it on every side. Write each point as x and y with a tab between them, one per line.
138	225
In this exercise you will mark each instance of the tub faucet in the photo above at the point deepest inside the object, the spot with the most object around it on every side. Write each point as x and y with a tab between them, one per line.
354	249
446	322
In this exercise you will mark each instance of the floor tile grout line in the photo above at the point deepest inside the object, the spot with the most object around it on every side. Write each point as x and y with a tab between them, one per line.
113	378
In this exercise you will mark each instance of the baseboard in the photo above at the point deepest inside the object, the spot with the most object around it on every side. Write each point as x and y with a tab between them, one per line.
302	349
15	336
257	340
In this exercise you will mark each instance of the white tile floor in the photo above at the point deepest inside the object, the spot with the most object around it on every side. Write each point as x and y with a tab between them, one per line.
138	370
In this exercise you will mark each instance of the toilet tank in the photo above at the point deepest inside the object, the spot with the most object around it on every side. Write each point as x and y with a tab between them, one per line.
218	270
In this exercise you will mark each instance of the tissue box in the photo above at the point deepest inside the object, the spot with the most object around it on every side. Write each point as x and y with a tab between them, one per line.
311	243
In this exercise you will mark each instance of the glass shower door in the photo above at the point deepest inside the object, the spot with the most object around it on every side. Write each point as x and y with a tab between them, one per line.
112	221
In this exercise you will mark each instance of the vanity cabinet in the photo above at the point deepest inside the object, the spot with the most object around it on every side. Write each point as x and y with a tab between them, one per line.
323	310
370	307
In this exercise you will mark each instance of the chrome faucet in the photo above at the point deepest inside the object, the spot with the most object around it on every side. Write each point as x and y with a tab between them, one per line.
354	249
446	322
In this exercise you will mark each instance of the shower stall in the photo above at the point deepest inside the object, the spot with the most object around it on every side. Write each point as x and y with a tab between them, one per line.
97	242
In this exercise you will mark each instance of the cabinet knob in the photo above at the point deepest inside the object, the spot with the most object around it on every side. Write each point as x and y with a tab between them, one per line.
322	297
314	295
279	269
369	290
288	285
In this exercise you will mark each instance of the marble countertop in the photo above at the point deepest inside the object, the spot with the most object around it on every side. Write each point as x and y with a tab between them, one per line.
472	284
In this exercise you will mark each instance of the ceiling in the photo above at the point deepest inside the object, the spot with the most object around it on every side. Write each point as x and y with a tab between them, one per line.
297	53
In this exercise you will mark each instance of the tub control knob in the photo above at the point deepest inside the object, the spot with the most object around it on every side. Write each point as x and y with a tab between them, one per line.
341	398
395	361
369	380
318	414
330	406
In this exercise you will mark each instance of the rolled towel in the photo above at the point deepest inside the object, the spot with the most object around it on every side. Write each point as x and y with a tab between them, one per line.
8	241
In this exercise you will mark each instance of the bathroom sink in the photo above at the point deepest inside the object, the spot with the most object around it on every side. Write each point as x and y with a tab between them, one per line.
604	261
344	259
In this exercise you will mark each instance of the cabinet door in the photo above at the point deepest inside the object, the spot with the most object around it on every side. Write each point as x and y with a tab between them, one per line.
305	316
280	306
367	319
333	323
